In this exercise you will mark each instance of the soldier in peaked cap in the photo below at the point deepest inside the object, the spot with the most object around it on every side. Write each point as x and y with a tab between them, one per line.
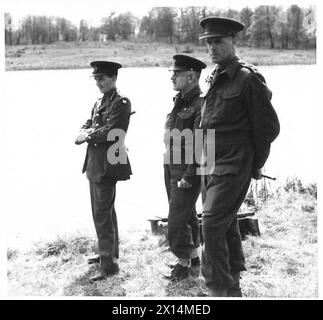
186	63
181	181
220	27
106	128
108	68
237	107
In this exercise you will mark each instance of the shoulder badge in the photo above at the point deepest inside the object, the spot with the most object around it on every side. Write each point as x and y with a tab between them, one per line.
122	99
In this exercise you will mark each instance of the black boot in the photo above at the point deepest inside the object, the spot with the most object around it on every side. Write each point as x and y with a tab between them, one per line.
103	274
235	290
108	267
178	273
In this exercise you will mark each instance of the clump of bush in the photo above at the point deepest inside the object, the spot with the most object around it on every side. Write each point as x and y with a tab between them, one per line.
11	253
65	245
296	185
308	208
261	191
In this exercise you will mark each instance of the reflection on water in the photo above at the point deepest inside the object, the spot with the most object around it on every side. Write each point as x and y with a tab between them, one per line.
45	191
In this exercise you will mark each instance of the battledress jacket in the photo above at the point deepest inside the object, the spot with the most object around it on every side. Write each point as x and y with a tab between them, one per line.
186	114
238	107
115	112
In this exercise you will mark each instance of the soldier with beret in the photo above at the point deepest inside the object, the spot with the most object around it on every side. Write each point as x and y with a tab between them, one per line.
237	106
104	164
181	181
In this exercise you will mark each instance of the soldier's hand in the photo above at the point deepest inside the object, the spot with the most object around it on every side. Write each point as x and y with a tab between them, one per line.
184	184
81	137
257	174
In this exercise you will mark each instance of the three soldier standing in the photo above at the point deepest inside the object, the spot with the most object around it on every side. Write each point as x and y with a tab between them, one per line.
237	112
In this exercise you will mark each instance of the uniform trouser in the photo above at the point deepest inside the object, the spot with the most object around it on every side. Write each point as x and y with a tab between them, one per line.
105	221
183	225
222	253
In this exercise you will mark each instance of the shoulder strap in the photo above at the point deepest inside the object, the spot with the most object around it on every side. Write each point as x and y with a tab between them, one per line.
255	71
249	66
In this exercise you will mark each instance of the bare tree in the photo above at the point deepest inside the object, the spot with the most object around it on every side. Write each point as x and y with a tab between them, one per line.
126	24
8	29
159	24
264	26
189	28
283	29
295	20
108	27
84	31
245	16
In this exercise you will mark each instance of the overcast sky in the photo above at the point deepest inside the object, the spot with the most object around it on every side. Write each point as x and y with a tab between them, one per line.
94	10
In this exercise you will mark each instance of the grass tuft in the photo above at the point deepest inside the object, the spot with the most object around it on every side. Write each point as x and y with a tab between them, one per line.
12	253
65	246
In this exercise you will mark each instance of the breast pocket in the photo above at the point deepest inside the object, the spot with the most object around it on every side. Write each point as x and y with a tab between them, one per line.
233	102
185	119
214	111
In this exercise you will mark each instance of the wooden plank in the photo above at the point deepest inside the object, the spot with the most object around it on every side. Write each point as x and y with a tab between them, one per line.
247	225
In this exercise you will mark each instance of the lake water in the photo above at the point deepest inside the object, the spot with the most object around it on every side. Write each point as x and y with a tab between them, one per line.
43	189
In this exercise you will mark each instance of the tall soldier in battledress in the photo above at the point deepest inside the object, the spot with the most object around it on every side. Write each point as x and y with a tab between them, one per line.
242	124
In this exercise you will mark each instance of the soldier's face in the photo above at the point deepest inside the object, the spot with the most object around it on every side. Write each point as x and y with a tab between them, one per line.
180	80
105	83
220	48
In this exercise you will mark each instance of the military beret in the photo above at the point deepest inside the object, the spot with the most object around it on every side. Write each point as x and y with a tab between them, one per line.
219	27
187	63
105	67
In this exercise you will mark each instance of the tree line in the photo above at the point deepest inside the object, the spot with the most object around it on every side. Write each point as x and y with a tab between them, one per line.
266	26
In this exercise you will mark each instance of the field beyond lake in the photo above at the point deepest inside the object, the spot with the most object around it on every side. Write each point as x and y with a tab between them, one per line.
63	55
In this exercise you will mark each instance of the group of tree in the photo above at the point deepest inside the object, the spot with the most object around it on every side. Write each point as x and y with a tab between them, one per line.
266	26
39	30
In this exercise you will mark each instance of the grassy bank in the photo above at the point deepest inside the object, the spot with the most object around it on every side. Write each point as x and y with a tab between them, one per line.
281	263
129	54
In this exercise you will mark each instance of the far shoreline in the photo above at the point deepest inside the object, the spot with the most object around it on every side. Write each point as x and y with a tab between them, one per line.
129	67
72	56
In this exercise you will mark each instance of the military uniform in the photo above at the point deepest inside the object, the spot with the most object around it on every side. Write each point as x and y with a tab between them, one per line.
182	218
237	107
112	111
180	165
